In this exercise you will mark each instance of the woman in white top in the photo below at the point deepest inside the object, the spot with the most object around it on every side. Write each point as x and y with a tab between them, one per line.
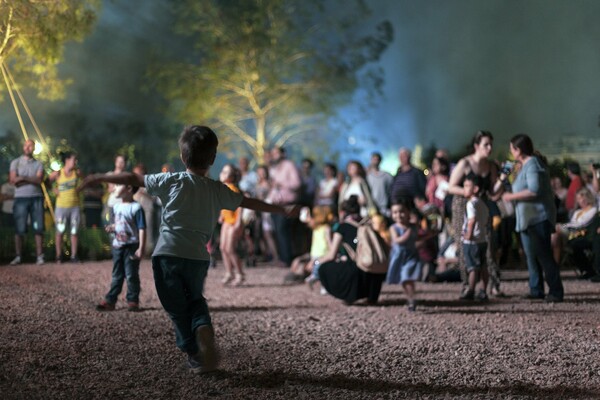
581	217
327	191
356	184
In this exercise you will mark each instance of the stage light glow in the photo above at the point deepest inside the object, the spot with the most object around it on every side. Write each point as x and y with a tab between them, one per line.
38	148
55	165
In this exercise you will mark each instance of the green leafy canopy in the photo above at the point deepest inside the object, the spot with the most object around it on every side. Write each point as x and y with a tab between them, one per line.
32	38
267	72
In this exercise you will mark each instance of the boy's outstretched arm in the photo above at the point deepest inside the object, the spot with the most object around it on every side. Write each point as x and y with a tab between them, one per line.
124	178
259	205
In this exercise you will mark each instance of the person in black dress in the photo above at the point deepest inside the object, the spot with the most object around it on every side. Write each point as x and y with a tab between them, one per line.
339	275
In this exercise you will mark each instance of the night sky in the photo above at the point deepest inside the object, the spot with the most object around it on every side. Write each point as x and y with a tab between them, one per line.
454	67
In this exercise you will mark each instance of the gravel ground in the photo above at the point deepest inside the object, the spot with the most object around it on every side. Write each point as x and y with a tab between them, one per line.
282	342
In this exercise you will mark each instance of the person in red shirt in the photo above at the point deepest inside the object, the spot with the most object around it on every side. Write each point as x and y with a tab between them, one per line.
574	174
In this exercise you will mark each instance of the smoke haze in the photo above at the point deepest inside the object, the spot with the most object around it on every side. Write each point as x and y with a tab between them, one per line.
454	67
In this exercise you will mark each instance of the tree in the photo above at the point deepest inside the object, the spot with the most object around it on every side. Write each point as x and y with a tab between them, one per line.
32	38
267	72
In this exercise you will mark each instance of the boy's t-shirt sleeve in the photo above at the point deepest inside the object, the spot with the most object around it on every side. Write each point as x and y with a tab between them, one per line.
471	212
229	200
140	218
154	182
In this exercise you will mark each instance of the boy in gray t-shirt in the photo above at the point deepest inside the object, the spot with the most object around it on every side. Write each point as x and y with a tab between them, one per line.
191	206
474	238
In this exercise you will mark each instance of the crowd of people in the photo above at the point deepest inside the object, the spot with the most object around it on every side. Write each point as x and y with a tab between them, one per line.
452	222
438	233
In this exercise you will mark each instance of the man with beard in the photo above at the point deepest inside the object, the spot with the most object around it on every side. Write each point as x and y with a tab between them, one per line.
27	174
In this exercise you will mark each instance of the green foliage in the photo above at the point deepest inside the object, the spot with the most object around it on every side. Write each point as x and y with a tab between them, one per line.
269	72
32	38
97	144
11	147
94	244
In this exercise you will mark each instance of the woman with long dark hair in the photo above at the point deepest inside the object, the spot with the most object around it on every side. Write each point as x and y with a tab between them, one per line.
480	164
356	185
536	217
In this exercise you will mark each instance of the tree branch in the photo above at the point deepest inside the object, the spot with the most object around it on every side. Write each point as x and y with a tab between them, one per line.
236	130
7	33
294	132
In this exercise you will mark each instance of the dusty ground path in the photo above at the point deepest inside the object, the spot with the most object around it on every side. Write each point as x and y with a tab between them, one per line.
284	342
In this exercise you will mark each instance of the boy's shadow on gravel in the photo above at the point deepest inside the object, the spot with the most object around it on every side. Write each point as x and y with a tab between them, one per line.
257	308
280	379
434	303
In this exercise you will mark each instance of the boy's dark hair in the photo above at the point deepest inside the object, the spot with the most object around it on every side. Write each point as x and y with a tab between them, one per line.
134	189
198	146
476	179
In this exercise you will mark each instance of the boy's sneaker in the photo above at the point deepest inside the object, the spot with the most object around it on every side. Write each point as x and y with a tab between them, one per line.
467	295
105	306
208	356
75	260
40	260
133	307
194	363
16	261
482	296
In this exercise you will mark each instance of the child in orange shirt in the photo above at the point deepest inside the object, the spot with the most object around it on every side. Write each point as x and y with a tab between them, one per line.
231	231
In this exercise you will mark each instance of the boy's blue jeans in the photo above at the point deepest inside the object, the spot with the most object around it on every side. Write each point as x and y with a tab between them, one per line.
124	267
180	285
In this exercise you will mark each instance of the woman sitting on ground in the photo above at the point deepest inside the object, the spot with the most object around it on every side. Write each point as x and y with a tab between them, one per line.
338	273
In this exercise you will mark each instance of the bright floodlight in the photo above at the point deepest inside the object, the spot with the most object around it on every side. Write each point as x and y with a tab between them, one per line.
55	166
38	148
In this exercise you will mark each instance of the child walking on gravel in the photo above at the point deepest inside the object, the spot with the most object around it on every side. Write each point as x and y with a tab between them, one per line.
128	246
405	266
191	206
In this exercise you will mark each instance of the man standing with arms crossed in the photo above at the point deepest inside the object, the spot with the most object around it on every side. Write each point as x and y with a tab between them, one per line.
27	174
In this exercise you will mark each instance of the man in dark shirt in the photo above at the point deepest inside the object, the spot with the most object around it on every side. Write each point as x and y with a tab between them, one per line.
409	181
